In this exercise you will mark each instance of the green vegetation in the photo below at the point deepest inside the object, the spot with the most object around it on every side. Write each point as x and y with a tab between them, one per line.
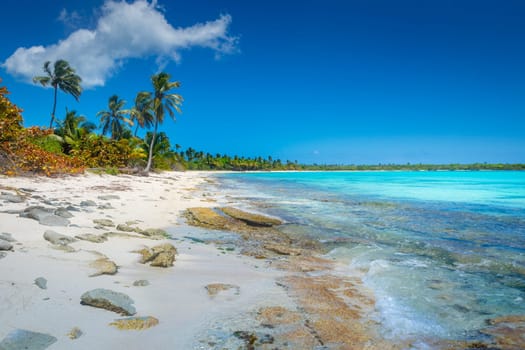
74	145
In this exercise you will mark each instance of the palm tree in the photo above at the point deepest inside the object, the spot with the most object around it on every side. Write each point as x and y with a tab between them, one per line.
141	112
62	77
160	102
73	129
111	120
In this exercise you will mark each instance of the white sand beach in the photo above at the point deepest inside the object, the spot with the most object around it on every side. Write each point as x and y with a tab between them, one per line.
176	295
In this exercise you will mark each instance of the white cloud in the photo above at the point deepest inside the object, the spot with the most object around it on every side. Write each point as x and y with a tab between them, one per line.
70	19
123	31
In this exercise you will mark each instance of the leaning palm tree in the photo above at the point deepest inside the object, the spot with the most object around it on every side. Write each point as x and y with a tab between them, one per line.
160	102
112	120
62	77
141	113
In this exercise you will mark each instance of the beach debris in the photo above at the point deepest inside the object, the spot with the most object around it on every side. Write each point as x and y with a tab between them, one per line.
41	282
90	237
88	203
104	266
215	288
75	333
141	283
251	219
5	245
24	339
58	238
108	197
104	222
135	323
162	255
109	300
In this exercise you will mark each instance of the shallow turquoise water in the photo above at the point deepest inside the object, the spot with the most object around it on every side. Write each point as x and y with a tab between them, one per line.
442	251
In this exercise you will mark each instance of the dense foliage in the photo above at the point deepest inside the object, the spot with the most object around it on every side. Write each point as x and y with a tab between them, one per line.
22	149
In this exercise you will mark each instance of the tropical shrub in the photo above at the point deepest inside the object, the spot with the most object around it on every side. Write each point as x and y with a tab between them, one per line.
99	152
21	149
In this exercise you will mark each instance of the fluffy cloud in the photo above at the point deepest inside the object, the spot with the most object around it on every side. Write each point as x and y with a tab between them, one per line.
123	31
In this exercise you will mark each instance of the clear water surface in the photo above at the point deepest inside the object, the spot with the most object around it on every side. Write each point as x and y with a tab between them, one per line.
442	251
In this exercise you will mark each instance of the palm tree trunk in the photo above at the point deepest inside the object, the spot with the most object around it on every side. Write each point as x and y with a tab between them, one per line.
150	155
54	108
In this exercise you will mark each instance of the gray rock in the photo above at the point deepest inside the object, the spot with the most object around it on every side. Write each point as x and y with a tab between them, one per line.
7	237
63	213
108	197
109	300
3	255
5	245
23	339
41	282
72	208
88	203
53	220
154	232
141	283
126	228
36	212
92	237
104	222
105	206
11	198
57	238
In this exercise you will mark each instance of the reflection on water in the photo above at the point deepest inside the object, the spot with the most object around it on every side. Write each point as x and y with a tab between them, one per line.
442	252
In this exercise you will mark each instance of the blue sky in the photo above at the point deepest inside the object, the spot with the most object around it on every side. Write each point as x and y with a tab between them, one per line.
329	81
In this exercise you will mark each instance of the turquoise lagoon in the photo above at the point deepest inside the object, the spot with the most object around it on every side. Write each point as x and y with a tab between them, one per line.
442	251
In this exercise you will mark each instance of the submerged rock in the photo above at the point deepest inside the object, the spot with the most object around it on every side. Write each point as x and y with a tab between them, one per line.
251	219
27	340
88	203
109	300
57	238
135	323
41	282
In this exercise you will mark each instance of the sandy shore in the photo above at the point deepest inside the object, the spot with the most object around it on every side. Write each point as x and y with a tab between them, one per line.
176	296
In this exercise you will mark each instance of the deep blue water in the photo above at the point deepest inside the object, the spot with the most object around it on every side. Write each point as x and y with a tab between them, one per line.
442	251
